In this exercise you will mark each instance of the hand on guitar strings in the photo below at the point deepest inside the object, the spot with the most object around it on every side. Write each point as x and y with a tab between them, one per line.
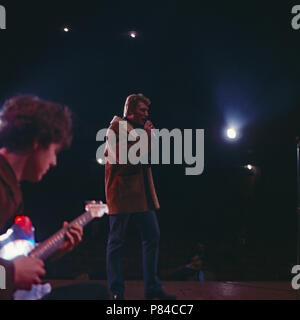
73	237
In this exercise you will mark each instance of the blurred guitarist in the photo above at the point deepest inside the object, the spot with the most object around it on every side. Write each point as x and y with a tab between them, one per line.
32	132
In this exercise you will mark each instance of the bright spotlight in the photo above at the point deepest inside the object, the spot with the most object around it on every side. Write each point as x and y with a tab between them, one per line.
66	29
133	34
231	133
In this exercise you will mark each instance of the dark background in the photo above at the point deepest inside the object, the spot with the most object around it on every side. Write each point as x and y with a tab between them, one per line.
203	65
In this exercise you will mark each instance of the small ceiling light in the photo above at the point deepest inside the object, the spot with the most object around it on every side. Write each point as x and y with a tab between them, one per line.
133	34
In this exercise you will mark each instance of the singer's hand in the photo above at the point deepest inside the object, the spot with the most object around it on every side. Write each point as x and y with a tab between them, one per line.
148	126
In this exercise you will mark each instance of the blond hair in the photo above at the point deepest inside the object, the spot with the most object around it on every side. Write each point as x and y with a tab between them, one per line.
132	101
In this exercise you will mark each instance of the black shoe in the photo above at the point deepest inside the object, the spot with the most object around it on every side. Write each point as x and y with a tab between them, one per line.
117	296
160	295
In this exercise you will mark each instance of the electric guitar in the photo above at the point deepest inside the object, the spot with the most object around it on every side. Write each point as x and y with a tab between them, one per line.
19	240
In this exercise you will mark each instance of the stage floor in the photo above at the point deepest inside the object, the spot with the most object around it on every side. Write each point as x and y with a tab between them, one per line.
190	290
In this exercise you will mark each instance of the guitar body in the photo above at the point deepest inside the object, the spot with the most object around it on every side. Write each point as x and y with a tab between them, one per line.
19	240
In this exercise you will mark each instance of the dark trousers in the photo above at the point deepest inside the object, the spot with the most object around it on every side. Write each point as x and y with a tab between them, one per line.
148	226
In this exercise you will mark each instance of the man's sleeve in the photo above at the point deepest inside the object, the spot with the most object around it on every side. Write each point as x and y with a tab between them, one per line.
6	214
9	206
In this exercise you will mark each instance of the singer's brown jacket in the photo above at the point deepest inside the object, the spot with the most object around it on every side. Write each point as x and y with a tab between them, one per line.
129	188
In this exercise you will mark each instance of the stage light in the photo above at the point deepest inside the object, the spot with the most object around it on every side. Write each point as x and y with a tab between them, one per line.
231	133
100	161
66	29
252	168
133	34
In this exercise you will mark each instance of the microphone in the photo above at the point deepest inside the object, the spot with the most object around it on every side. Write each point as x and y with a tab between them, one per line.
152	132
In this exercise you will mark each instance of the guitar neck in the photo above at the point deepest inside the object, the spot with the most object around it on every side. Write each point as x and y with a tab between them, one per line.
50	245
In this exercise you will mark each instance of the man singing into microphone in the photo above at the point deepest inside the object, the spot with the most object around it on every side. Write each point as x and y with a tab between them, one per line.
131	197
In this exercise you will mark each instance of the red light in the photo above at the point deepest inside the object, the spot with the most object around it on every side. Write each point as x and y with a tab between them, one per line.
24	223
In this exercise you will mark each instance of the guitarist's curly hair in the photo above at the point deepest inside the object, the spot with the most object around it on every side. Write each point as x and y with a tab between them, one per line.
27	119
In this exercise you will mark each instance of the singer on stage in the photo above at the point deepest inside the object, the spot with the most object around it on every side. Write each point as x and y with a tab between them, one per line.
131	198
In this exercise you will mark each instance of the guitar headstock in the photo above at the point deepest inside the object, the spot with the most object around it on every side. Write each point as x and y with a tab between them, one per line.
96	208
